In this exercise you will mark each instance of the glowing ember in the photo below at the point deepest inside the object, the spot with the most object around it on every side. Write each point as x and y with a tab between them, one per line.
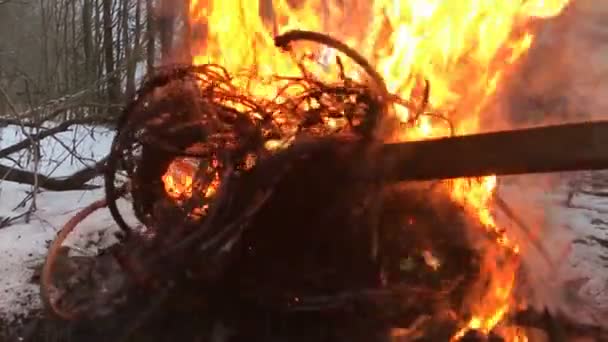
463	48
179	180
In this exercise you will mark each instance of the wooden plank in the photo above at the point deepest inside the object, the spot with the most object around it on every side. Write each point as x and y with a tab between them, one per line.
559	148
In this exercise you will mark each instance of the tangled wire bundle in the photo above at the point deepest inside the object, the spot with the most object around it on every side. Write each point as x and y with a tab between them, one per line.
195	115
197	112
238	228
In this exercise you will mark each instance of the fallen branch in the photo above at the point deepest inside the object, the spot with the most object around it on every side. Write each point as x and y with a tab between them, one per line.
16	120
75	181
44	134
7	221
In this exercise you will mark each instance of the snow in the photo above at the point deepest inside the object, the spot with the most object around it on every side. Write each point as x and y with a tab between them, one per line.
90	143
23	245
572	228
587	218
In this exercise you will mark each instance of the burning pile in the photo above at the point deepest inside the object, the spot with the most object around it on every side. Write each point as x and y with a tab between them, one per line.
238	172
210	169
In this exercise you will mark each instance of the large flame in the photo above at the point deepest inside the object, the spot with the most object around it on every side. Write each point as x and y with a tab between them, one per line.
463	48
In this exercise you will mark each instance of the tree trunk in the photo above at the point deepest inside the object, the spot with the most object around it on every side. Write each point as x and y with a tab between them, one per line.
150	35
66	43
87	36
186	35
98	48
134	57
166	26
130	73
117	30
45	47
76	72
113	89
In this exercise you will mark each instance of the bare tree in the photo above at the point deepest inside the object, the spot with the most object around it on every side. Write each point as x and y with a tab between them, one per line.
166	19
69	66
113	88
87	36
150	35
126	42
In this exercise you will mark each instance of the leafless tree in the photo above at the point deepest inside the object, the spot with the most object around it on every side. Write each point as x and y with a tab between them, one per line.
65	63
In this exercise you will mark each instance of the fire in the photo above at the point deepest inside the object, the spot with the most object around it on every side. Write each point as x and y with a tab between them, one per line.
178	180
463	48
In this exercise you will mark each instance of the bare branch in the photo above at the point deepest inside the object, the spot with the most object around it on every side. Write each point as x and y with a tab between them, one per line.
26	143
19	119
75	181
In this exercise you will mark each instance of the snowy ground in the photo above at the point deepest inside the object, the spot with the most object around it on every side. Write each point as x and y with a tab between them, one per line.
23	245
586	217
568	215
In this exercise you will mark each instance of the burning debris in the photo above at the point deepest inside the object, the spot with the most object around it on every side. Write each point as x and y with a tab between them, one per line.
253	206
262	214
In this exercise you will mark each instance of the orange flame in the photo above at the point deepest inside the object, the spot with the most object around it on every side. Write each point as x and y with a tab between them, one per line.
178	179
464	49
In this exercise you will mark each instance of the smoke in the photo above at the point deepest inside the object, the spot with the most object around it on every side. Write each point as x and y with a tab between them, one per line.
561	79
